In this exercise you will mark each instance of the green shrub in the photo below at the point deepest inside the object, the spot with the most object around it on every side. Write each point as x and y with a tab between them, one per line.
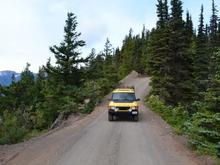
11	131
218	149
202	128
175	116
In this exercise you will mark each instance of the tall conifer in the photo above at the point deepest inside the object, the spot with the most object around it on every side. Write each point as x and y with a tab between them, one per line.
180	84
201	59
67	55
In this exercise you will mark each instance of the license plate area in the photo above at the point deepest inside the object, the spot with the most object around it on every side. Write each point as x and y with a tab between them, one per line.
134	112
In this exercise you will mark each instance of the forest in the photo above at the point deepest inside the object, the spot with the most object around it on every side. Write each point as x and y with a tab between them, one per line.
182	60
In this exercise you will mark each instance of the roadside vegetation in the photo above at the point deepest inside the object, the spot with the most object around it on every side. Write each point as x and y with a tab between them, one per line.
201	128
182	60
73	85
184	66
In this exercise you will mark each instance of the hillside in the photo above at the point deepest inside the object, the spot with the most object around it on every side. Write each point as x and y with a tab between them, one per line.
6	77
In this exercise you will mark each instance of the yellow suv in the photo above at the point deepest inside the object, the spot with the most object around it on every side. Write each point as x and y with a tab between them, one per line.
123	102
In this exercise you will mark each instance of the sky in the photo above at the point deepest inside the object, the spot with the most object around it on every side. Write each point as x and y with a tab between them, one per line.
29	27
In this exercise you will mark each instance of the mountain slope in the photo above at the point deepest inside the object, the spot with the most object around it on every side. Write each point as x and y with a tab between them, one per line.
94	140
6	77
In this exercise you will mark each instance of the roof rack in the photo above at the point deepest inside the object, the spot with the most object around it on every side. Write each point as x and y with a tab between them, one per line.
127	87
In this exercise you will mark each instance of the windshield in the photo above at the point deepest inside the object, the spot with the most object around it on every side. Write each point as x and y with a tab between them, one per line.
123	97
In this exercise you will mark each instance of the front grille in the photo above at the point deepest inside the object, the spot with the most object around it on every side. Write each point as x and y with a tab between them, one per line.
123	108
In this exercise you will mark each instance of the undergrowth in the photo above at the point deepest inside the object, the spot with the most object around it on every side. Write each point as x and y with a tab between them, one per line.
202	129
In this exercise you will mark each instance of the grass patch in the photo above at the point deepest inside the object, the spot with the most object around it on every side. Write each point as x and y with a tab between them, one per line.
175	116
34	133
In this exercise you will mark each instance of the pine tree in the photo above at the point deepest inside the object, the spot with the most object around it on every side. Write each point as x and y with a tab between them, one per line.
137	53
158	50
144	53
25	88
108	52
92	53
189	27
27	77
212	98
95	66
218	35
162	13
213	24
213	40
127	53
176	11
202	30
166	11
201	59
67	55
180	84
143	33
207	30
131	53
110	70
117	58
159	55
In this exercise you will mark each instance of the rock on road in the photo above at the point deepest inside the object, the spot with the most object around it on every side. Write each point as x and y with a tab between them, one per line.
94	140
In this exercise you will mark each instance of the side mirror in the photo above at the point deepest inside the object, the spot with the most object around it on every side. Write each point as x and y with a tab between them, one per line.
138	99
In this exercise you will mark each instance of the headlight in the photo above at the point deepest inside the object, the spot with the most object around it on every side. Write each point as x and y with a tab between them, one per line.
134	108
114	108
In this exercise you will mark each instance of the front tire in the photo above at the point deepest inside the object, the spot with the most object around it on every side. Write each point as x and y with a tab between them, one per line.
135	118
110	117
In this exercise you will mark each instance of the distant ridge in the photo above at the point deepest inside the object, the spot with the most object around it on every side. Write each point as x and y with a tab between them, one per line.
6	75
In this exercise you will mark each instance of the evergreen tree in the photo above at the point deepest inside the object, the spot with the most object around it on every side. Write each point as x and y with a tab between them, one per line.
212	98
162	13
159	55
189	27
144	53
218	35
157	61
108	52
117	57
166	10
27	76
136	55
213	24
127	53
180	84
143	33
202	28
110	70
133	54
26	86
207	30
201	59
213	40
67	55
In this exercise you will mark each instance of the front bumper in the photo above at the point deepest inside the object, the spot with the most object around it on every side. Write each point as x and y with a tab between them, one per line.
123	112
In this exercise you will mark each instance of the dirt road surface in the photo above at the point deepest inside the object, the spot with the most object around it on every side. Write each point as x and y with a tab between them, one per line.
94	140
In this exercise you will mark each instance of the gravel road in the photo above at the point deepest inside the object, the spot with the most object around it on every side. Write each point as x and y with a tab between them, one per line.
94	140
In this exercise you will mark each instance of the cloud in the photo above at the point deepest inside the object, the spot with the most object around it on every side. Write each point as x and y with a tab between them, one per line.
22	37
58	7
101	19
29	27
